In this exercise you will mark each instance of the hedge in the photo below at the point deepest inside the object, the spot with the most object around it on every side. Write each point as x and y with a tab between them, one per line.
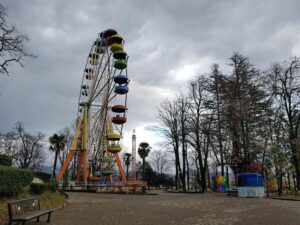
12	180
5	160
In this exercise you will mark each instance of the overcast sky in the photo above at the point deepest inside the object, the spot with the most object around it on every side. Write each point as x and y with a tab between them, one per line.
169	43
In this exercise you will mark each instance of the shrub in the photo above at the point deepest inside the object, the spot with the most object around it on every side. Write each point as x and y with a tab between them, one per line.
5	160
12	180
43	176
38	188
52	186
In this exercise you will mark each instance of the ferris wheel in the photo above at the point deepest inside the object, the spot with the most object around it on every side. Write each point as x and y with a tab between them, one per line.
101	110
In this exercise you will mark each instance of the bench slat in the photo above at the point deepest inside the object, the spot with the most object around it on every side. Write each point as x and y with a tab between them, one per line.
33	215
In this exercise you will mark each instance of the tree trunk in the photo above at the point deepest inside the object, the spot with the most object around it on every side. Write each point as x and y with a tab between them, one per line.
219	125
177	161
203	180
208	178
54	166
184	151
143	169
289	180
183	170
176	176
294	181
227	177
279	180
188	172
296	160
198	180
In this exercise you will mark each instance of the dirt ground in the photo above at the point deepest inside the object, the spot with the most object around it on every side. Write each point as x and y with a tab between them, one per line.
174	209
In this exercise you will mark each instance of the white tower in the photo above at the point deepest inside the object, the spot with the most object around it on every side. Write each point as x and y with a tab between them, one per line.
133	163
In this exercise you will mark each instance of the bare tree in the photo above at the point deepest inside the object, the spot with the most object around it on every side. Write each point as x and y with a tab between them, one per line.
7	143
215	87
200	119
27	151
11	43
183	106
160	161
285	80
168	113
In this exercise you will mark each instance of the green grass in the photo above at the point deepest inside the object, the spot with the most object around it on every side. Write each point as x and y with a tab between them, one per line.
3	213
48	200
52	200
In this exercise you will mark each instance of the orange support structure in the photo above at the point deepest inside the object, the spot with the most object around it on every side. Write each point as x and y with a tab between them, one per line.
80	135
80	145
66	164
118	161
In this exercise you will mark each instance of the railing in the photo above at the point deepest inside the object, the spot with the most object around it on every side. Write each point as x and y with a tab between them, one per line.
94	184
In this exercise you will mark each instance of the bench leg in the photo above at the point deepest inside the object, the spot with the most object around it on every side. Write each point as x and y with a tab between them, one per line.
49	215
38	219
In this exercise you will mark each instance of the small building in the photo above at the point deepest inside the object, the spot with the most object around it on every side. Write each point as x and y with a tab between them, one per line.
250	185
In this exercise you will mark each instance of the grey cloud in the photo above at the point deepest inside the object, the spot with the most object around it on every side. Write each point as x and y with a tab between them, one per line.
161	37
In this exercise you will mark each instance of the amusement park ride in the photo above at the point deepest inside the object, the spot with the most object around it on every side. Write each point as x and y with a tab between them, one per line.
101	115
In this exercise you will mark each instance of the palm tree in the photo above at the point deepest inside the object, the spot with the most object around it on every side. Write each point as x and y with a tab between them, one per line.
57	142
144	150
127	159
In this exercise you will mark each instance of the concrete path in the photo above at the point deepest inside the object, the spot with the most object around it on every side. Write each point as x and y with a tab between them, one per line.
174	209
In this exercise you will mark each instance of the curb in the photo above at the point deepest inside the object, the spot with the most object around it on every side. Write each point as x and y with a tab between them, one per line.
287	199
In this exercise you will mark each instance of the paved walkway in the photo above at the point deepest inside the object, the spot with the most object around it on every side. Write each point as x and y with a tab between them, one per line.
175	209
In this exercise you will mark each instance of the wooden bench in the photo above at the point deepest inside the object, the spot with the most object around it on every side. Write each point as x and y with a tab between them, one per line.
26	209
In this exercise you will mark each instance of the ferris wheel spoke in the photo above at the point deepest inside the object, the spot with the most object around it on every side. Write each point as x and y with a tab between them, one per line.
99	79
80	91
101	89
112	97
96	122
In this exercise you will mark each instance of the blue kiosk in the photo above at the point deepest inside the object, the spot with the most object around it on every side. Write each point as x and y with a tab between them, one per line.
250	185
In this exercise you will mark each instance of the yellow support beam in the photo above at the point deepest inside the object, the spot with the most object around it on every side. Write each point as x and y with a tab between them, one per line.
81	133
76	135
